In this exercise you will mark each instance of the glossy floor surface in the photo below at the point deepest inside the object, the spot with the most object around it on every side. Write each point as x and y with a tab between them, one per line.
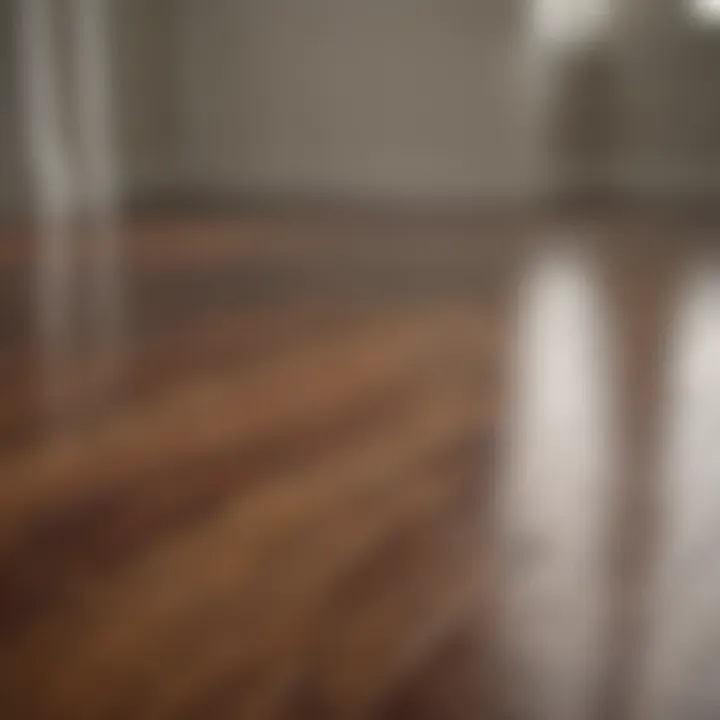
303	466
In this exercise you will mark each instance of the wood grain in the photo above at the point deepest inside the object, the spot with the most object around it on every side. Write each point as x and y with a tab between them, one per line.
280	498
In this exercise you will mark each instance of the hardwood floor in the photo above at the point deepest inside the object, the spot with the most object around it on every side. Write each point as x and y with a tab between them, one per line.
290	486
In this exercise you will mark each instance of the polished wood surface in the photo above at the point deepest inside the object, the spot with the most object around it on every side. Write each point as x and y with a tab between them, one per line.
276	491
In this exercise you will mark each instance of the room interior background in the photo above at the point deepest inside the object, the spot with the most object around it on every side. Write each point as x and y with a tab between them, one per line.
433	99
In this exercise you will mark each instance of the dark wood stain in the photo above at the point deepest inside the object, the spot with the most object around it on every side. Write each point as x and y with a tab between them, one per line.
280	506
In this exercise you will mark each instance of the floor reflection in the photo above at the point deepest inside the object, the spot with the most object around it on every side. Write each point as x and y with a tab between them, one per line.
313	460
557	500
77	293
684	649
80	322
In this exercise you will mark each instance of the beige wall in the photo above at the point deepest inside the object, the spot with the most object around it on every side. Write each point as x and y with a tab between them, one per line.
13	178
395	98
369	97
146	108
432	96
669	110
144	97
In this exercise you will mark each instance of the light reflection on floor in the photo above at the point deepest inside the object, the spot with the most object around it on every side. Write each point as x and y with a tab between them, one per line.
557	501
78	296
682	678
81	316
